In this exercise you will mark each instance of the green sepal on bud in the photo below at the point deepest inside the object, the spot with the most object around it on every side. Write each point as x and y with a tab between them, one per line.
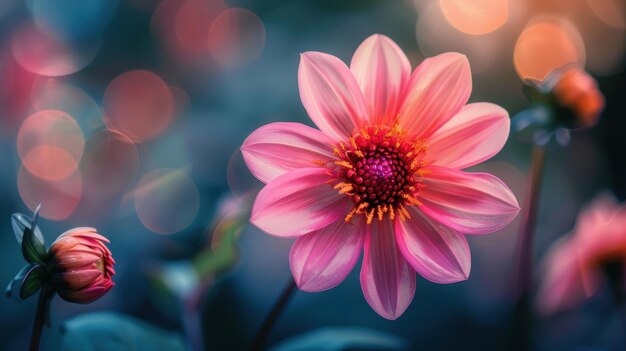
29	236
26	282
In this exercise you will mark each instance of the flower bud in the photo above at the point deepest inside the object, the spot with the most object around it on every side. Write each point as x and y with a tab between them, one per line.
81	266
576	91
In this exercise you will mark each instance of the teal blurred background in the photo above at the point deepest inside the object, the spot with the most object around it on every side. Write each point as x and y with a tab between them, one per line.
127	116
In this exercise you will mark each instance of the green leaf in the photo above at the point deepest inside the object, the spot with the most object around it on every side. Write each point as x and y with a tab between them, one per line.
33	280
33	247
336	339
107	331
13	290
20	222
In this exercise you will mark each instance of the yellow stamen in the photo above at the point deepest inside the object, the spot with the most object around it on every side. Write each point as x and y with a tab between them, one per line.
404	214
350	215
362	207
370	216
344	164
411	199
380	213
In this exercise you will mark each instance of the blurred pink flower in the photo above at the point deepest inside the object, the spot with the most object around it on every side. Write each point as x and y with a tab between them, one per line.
575	267
81	265
382	174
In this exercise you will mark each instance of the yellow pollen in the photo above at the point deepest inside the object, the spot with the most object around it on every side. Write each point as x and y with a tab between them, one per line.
379	168
370	216
344	164
404	214
362	207
349	216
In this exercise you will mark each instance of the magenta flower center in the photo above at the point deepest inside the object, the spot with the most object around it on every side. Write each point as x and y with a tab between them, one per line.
380	169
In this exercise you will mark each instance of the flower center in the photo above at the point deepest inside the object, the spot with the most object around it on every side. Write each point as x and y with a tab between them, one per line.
380	169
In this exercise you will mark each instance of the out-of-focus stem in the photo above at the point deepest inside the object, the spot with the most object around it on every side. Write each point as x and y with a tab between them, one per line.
527	234
270	320
42	304
521	334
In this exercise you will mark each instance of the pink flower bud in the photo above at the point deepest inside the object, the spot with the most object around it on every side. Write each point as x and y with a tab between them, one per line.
81	265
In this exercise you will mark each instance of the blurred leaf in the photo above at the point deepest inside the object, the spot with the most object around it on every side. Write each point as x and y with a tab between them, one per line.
111	331
14	287
33	280
348	338
179	277
224	252
20	222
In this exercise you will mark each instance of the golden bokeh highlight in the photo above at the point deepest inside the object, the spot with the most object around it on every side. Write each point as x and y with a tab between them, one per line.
475	17
545	45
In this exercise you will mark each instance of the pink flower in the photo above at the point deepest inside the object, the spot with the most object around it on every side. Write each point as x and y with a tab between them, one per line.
576	266
383	173
81	265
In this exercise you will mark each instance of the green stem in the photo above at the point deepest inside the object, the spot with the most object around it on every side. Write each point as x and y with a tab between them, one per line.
42	304
270	320
521	334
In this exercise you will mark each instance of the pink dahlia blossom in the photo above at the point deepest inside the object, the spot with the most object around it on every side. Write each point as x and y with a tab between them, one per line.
383	174
81	265
577	266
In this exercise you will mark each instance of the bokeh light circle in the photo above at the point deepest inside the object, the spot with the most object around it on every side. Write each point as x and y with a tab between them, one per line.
47	55
50	144
546	44
59	198
611	12
53	95
109	164
236	37
193	22
475	17
139	104
166	201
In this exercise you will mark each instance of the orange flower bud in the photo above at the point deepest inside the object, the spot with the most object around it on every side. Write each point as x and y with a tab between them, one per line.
578	92
81	265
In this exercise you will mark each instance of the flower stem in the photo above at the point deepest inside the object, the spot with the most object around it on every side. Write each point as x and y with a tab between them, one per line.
527	234
42	304
270	320
522	315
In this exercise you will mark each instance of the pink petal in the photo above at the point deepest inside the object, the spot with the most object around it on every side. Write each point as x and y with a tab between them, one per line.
322	259
76	259
564	284
388	282
299	202
471	203
382	70
473	135
276	148
435	251
437	90
78	279
330	94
